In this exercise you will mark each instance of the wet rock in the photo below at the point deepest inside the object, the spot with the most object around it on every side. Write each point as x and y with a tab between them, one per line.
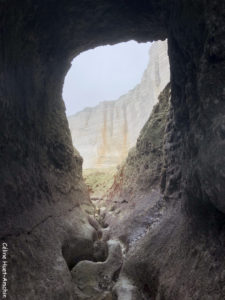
124	289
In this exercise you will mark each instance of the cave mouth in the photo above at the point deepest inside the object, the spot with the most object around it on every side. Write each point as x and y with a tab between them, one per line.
99	78
112	85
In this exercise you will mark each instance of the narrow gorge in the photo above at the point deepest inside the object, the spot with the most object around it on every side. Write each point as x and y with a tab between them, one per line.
159	233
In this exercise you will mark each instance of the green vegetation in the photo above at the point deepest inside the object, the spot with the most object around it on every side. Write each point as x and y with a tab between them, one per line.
99	180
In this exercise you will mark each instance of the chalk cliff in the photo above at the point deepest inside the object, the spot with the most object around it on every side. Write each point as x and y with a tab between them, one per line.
104	134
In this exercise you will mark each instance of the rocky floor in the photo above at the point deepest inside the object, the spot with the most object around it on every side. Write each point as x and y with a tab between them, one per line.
102	278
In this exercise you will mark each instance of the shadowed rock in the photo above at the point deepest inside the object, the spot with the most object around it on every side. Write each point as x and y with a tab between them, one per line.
93	279
42	189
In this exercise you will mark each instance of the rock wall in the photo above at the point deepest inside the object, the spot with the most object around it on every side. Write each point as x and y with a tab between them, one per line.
134	200
104	134
170	254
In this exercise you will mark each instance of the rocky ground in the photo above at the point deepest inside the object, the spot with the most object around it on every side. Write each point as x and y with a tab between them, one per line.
100	277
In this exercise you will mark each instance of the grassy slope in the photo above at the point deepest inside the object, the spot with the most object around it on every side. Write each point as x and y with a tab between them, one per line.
99	180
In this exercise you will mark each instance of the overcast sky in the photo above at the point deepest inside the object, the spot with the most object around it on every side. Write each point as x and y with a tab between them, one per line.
104	73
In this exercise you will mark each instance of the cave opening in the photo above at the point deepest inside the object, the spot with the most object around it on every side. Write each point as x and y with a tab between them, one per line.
109	93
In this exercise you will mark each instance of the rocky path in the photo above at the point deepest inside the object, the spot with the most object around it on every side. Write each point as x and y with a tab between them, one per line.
102	279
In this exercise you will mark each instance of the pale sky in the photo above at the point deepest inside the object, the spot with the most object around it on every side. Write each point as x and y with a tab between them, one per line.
104	73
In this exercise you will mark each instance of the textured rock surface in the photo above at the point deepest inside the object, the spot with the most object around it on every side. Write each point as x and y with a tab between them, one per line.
95	279
41	186
104	134
129	211
170	254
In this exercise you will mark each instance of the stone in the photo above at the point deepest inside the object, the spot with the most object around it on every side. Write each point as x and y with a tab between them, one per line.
100	250
95	278
155	227
124	289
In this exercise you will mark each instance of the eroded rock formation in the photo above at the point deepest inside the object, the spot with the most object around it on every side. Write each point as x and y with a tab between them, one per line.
134	201
104	134
42	191
166	246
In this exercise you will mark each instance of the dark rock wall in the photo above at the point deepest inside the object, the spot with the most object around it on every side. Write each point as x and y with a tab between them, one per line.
196	49
182	256
41	184
175	247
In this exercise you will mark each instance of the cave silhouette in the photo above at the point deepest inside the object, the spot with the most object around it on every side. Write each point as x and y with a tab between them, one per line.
42	191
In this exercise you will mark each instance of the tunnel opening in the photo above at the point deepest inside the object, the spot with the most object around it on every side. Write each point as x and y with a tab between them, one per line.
130	76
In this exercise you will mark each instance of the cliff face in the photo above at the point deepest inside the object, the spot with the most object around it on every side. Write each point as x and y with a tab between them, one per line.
104	134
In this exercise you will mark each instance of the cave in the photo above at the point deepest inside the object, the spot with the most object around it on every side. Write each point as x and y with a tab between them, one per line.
44	201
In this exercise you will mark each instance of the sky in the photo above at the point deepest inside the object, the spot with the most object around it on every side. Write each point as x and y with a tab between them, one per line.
104	73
